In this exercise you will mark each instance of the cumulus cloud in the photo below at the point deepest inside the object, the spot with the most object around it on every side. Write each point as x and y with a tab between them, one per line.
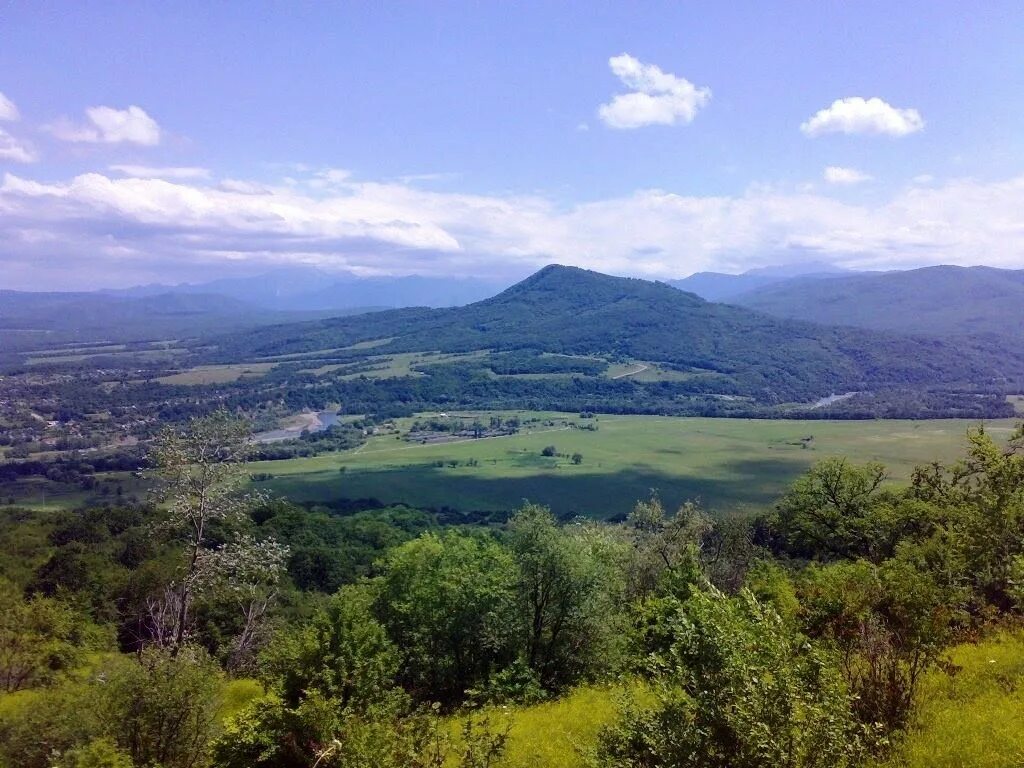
14	150
116	225
837	174
106	125
8	111
859	115
161	172
656	98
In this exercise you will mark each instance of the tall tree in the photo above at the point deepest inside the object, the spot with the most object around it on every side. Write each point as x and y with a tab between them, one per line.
200	479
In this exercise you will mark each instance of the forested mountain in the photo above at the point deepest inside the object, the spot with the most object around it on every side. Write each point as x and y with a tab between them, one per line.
938	301
578	312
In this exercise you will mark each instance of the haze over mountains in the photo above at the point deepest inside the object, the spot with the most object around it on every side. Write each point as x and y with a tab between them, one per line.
935	301
720	286
298	288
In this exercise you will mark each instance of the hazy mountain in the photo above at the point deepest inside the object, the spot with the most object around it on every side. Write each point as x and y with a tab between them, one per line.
939	301
30	320
719	286
574	311
302	288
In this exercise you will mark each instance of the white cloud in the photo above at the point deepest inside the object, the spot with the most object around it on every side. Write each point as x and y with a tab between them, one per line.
8	111
161	172
656	98
102	225
14	150
859	115
107	125
836	174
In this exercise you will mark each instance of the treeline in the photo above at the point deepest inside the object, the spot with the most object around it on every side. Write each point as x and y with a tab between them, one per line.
799	638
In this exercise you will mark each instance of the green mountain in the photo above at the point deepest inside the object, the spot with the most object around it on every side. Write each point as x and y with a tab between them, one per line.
729	350
937	301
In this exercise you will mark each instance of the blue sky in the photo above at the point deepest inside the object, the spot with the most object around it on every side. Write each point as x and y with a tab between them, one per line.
168	142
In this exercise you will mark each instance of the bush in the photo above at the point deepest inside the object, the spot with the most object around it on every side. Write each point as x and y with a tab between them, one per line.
736	689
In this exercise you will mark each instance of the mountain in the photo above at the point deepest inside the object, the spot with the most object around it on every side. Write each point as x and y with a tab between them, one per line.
718	286
571	311
31	320
303	288
937	301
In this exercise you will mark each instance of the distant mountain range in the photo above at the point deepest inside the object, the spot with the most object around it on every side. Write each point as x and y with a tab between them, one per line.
935	301
300	288
719	286
31	320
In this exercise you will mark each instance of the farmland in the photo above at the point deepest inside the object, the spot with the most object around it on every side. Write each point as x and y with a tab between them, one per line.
732	466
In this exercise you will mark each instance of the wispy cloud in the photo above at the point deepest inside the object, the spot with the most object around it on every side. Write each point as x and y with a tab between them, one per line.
867	116
162	172
15	150
8	111
107	125
837	174
656	98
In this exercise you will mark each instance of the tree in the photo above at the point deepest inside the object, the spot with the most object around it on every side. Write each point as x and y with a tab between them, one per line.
570	592
39	639
577	458
245	574
199	473
549	450
334	703
342	653
888	624
162	708
449	603
983	497
666	551
827	512
736	688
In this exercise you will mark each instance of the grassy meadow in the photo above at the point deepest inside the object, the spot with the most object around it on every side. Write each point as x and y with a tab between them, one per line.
970	717
731	465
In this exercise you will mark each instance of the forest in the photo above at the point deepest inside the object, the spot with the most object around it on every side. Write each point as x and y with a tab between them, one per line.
210	626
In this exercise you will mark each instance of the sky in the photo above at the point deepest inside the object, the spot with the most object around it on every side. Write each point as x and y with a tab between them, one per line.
164	142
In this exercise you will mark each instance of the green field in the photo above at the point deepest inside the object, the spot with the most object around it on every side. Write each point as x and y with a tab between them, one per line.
731	465
216	374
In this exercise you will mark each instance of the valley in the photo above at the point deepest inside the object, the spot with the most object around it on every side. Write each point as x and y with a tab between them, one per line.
732	466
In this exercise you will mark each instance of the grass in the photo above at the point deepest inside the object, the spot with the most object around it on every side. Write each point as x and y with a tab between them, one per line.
1017	401
733	466
41	493
77	356
237	694
554	734
216	374
973	717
